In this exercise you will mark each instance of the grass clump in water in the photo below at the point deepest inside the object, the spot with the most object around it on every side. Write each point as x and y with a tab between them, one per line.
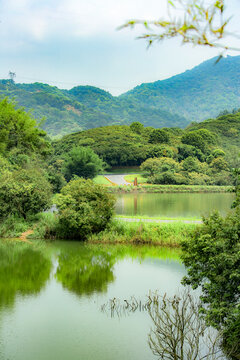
167	234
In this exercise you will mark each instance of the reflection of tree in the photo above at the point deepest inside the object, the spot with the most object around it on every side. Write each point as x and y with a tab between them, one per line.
23	270
85	270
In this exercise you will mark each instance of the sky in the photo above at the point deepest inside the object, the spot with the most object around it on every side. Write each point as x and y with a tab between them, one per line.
76	42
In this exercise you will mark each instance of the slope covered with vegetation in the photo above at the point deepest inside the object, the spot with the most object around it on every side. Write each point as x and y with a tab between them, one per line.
196	94
83	107
203	153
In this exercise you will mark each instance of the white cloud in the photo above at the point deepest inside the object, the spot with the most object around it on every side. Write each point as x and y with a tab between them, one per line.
41	19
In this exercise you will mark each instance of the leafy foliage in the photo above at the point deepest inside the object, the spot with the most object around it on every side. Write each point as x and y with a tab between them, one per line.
19	129
212	256
24	192
202	24
84	208
83	162
206	156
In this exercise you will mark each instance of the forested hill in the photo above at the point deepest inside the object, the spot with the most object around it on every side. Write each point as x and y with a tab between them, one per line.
83	107
126	146
196	94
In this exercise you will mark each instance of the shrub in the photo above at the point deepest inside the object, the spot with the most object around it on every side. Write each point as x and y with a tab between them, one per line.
212	256
159	136
82	161
24	192
84	208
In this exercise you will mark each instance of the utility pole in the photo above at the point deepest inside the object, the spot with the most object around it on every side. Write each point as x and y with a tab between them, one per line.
12	75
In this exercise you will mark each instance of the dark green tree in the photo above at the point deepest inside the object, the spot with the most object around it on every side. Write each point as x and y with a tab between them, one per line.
24	192
137	127
83	162
84	208
19	130
212	258
159	136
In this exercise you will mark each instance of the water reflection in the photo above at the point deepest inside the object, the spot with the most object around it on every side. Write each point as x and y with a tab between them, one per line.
58	324
173	205
87	269
23	270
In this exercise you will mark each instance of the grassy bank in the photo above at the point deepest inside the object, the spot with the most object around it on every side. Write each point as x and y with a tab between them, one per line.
157	218
46	227
161	234
14	226
140	178
150	188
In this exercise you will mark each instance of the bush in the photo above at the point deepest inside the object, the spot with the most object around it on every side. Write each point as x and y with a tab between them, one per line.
84	208
212	256
24	192
82	161
159	136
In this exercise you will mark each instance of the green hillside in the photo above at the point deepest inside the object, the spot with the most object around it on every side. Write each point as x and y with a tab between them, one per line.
83	107
227	130
123	145
62	114
196	94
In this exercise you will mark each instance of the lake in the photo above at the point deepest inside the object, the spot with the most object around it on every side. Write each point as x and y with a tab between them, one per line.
50	301
173	205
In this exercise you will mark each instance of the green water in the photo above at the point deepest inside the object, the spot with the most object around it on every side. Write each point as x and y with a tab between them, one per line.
173	205
50	300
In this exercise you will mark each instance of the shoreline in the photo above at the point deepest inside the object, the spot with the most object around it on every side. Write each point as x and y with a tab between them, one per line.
170	189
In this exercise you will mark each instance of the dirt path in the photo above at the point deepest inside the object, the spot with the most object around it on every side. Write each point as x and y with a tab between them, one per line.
24	236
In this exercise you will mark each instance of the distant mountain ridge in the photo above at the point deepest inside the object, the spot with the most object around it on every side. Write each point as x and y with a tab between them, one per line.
194	95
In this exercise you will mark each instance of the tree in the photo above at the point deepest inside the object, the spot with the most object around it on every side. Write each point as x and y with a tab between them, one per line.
212	258
199	23
201	139
137	127
191	164
19	129
84	208
24	192
154	166
83	162
179	331
158	136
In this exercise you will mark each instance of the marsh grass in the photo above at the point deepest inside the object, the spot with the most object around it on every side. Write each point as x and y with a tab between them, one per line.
157	218
163	234
150	188
46	227
13	226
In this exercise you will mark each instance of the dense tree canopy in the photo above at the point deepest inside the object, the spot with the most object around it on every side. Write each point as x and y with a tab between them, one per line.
18	129
84	208
83	162
212	257
24	192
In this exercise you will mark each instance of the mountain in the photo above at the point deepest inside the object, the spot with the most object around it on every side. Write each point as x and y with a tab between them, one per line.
62	114
83	107
196	94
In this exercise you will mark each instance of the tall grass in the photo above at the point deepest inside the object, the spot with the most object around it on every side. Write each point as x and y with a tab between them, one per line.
167	234
13	226
150	188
